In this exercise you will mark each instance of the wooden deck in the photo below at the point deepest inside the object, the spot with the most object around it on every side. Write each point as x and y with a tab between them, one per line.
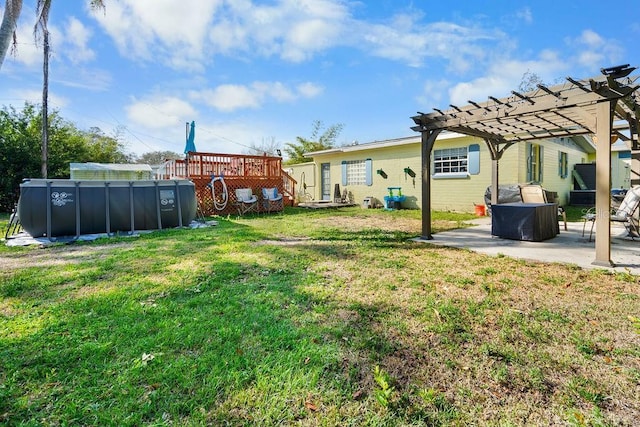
238	171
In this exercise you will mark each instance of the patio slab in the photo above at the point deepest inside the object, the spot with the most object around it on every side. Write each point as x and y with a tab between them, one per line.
569	247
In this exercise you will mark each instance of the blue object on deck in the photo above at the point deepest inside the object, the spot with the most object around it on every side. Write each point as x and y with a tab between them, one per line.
191	144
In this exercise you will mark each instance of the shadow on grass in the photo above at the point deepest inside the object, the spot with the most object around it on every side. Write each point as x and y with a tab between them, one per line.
235	336
192	327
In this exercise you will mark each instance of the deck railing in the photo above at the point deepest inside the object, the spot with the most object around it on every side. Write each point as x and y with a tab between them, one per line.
239	171
230	165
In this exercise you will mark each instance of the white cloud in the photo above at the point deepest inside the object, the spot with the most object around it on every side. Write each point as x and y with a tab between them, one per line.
404	39
159	112
525	15
181	33
94	80
229	98
77	37
309	90
594	51
293	30
434	92
504	76
27	52
158	30
232	97
34	96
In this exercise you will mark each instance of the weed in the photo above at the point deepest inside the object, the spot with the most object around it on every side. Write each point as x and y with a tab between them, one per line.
595	419
635	321
587	390
384	393
439	406
487	271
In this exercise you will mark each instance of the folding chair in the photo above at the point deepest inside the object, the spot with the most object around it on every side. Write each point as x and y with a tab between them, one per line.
533	193
246	201
271	199
624	214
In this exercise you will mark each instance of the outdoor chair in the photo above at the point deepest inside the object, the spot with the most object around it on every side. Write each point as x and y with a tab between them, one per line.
533	193
272	200
624	214
246	201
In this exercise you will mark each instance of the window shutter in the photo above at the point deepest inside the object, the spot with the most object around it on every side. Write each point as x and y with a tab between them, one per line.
529	151
560	163
541	163
368	175
344	173
473	159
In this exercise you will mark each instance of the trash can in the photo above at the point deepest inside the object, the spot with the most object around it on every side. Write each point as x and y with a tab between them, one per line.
367	202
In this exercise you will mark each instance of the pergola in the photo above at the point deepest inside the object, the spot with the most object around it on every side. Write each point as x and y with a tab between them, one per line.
606	106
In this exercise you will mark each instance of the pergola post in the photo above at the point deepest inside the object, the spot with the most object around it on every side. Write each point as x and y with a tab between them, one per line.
495	185
428	140
578	108
496	155
603	183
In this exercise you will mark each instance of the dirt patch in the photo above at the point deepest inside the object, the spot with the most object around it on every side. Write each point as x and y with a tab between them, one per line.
358	223
53	256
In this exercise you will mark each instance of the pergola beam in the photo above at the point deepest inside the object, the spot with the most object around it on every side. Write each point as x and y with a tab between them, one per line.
570	109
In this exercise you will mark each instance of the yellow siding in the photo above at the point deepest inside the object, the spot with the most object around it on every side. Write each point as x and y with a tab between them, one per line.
305	176
620	171
453	194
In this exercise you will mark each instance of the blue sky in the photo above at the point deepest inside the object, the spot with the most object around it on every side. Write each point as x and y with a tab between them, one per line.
251	72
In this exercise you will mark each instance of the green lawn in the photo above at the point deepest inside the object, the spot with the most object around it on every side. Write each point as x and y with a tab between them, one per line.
327	318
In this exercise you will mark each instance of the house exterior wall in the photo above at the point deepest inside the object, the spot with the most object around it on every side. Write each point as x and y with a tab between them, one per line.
305	175
551	178
621	169
449	192
620	166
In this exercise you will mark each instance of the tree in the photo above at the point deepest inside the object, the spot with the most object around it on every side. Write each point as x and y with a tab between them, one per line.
158	157
529	82
20	139
317	142
268	146
12	9
104	149
42	12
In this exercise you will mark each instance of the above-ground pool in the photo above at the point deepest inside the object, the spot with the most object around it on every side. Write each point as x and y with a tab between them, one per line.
61	207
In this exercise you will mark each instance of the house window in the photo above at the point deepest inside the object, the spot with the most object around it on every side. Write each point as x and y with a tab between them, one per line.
563	164
450	161
534	163
356	172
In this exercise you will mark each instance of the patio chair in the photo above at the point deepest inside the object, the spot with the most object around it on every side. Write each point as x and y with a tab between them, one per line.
624	214
271	199
246	201
533	193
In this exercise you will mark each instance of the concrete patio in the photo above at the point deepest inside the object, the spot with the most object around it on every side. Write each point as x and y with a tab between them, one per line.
568	247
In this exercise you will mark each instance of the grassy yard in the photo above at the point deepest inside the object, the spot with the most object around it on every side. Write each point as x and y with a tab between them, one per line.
330	318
